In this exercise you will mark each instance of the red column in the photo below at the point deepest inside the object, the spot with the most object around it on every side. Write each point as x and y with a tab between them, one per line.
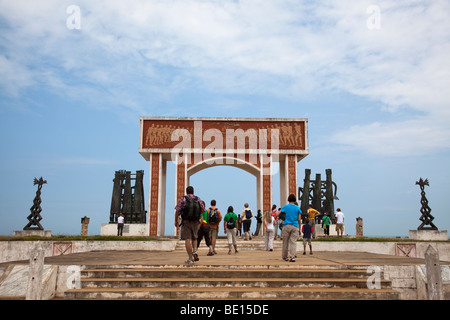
180	188
267	186
292	174
154	193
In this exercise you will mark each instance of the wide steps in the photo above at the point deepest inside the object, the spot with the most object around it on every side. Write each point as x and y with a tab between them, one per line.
225	283
232	293
206	272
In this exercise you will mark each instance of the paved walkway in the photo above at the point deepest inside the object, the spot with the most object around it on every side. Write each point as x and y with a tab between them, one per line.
244	257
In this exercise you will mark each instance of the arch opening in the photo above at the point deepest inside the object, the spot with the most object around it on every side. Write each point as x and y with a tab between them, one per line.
220	183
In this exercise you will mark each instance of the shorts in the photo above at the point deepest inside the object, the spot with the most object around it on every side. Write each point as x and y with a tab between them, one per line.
340	226
213	232
189	230
306	241
246	224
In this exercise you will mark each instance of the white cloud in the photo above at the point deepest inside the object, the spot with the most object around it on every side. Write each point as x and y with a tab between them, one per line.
135	53
409	138
14	76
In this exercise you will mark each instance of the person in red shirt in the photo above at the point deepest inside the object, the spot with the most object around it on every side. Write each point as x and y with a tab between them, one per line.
189	228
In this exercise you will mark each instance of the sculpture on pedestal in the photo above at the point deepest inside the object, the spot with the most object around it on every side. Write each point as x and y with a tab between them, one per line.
128	199
319	193
35	217
426	217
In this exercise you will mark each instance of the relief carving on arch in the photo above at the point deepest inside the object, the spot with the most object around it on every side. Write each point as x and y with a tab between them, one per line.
160	133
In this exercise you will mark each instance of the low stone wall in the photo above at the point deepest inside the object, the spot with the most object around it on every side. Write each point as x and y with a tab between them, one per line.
407	280
417	249
20	250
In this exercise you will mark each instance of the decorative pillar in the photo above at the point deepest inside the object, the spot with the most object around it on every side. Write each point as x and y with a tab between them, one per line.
180	182
154	207
84	226
266	178
283	181
292	174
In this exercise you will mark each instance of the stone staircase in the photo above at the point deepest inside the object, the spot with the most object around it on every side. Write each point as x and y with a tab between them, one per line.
227	282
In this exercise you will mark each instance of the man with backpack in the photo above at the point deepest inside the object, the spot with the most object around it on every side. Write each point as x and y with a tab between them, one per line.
229	225
214	218
247	215
189	208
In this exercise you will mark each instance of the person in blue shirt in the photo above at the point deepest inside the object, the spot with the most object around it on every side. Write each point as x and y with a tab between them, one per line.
290	228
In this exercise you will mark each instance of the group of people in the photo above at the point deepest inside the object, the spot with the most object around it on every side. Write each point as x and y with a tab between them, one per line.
197	222
288	218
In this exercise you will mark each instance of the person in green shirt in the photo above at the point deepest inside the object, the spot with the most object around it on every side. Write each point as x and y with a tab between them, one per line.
229	225
258	223
326	224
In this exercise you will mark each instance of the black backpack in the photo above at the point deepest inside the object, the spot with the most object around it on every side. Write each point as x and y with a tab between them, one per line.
191	210
213	216
230	223
248	213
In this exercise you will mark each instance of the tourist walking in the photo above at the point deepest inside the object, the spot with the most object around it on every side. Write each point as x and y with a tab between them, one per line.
120	223
269	231
247	215
239	226
312	214
258	222
203	231
326	224
275	222
307	230
189	208
281	217
229	225
339	222
290	229
214	218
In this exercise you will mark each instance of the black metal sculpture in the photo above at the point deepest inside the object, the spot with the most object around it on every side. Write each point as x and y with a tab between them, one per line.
35	217
319	194
426	217
128	199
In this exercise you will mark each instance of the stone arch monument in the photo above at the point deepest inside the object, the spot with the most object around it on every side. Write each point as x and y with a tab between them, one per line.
194	144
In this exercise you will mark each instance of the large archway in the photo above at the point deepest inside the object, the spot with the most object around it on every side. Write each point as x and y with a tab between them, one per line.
193	144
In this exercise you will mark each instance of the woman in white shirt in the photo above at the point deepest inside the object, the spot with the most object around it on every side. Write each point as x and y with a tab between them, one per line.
269	230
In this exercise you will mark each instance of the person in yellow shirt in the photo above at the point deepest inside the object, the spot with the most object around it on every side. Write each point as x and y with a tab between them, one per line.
312	213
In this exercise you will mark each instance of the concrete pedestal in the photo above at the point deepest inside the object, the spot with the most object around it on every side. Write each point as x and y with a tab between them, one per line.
134	229
30	233
429	235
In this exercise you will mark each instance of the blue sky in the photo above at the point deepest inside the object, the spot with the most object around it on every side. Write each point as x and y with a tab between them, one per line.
372	77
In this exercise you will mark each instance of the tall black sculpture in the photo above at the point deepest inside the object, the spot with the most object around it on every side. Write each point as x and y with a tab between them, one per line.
35	216
128	199
319	193
426	217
